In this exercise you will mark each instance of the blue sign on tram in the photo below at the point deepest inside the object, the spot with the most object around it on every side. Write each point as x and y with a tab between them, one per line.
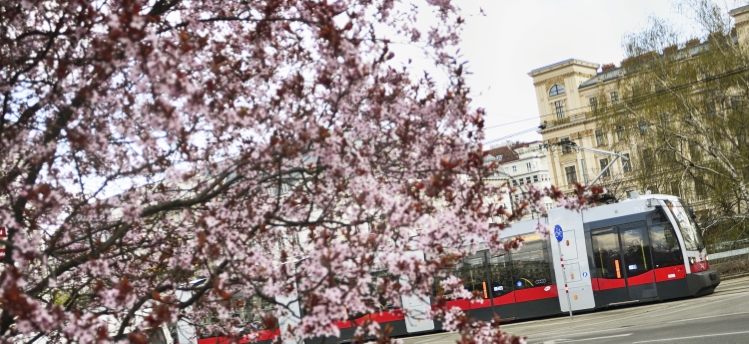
558	233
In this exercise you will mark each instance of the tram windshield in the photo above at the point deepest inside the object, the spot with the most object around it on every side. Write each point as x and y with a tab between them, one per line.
689	230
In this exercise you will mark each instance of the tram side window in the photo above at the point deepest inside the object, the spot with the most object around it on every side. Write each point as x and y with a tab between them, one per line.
635	247
377	299
500	273
606	260
666	250
473	274
531	265
471	271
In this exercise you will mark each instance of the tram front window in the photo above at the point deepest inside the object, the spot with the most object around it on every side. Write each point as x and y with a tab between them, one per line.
688	228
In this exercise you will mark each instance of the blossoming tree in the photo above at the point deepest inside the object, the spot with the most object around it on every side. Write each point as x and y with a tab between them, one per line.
274	148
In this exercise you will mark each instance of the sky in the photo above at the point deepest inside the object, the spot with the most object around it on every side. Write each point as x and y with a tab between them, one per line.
511	38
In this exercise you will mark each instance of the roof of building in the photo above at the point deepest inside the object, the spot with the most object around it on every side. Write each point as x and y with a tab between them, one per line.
602	77
736	11
561	64
505	152
508	152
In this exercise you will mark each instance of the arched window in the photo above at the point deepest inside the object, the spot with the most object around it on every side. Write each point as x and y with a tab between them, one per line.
556	90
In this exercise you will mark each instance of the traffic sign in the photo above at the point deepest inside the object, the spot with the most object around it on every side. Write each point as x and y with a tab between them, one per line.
558	233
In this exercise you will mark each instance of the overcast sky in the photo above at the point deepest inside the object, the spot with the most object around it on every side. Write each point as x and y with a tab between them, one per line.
515	37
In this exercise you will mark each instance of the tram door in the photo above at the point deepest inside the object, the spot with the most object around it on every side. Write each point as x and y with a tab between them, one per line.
623	263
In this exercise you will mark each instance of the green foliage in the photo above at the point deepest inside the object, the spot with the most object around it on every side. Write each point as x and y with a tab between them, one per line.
684	104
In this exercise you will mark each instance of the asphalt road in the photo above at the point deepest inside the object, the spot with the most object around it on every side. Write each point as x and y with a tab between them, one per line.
722	317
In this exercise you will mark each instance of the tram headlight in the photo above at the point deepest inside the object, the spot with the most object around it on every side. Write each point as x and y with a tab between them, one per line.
707	258
692	260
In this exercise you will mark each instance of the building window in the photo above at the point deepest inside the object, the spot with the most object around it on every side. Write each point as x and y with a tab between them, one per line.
620	134
556	90
694	153
566	145
700	189
614	98
499	157
735	102
529	166
675	189
665	121
600	137
643	128
559	108
514	168
514	182
647	159
593	104
626	163
603	163
527	180
535	179
522	181
711	108
571	174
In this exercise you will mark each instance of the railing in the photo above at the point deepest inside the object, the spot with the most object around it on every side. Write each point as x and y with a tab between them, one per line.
551	121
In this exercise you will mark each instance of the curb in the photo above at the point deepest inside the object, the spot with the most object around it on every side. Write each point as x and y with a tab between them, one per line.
730	277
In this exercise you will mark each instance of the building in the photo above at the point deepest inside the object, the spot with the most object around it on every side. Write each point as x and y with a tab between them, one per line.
568	95
573	97
520	165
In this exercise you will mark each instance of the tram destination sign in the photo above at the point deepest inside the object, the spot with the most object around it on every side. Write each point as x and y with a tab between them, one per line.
558	233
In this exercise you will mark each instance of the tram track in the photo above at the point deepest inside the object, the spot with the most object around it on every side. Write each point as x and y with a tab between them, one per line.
595	321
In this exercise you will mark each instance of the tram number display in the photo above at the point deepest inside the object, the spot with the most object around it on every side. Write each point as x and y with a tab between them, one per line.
633	267
499	288
540	281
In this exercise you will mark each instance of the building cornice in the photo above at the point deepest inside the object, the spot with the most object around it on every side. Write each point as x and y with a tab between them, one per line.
567	125
562	64
559	79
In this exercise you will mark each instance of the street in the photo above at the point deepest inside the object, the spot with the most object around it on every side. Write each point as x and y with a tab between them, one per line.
722	317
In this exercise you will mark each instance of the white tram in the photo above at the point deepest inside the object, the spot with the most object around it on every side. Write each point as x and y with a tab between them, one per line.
645	248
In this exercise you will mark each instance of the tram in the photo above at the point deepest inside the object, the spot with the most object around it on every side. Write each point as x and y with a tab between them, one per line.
642	249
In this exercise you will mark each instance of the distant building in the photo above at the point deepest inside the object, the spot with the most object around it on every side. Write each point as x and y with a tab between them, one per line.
520	165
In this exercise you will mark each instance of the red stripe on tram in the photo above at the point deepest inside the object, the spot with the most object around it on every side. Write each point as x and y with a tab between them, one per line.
670	273
645	278
382	317
607	283
536	293
505	299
